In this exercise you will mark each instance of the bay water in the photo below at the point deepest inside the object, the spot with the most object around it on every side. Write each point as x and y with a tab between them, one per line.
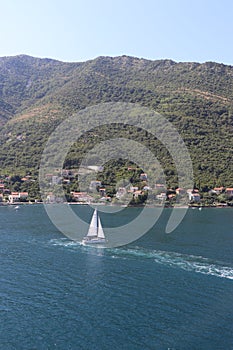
164	291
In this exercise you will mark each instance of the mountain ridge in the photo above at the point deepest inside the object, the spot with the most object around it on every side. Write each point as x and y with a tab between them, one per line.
36	94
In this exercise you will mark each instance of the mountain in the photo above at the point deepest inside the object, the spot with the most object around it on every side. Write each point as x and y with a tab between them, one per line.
37	94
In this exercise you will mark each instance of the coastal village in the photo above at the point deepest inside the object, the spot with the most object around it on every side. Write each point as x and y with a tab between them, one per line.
16	190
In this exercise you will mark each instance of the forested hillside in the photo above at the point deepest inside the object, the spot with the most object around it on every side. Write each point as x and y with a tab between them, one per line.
37	94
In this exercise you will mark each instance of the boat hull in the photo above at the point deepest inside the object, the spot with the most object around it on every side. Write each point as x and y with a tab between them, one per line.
93	241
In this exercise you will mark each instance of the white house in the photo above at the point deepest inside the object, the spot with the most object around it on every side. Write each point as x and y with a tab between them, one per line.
23	195
121	192
17	196
82	197
133	189
146	188
161	187
194	197
180	191
161	196
50	198
143	177
229	191
218	190
13	197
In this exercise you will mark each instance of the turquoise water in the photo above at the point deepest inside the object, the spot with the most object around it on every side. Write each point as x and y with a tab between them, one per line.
165	291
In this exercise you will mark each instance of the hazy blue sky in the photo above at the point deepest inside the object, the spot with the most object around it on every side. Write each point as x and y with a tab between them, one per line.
77	30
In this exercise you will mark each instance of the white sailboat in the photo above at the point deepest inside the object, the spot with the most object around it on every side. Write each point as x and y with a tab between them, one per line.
95	233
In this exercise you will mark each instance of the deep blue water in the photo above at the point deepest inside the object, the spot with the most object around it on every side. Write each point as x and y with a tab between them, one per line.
165	291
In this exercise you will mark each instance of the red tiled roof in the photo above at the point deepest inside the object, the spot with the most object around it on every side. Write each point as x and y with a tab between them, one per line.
78	193
218	188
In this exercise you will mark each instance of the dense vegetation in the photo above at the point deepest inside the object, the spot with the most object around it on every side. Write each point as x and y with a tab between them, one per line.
37	94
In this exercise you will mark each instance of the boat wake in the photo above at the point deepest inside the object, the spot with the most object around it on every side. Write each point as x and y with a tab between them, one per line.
65	242
194	263
198	264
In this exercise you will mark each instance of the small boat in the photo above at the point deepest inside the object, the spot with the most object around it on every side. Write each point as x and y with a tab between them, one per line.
95	233
16	207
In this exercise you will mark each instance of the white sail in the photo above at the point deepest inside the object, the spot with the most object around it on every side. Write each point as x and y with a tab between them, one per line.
100	229
95	233
93	228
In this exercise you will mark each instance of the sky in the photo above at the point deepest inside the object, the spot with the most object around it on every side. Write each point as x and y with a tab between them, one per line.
80	30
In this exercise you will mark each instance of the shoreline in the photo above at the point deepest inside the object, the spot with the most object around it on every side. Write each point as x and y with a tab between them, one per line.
122	206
